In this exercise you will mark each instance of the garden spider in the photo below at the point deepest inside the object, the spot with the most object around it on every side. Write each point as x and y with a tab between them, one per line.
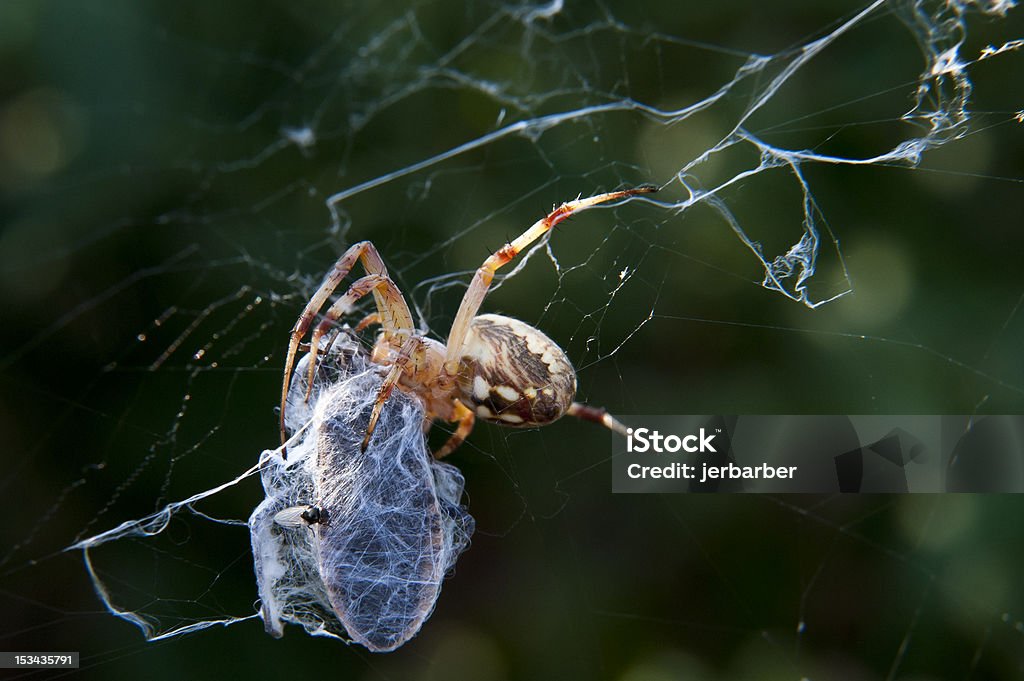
495	368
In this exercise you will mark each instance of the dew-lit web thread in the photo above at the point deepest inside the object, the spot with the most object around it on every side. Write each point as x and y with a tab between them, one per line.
372	571
395	529
144	528
939	113
940	107
203	359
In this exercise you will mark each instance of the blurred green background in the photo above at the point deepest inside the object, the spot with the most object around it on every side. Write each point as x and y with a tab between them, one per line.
165	171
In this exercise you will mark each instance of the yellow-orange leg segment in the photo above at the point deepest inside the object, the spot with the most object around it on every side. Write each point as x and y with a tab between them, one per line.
390	381
367	321
466	418
485	274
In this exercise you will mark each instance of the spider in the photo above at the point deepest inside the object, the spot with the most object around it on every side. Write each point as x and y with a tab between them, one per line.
492	367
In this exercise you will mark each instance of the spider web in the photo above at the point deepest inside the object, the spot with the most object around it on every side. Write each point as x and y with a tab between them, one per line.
838	231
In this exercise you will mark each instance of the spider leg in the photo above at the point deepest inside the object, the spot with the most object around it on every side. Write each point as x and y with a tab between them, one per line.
466	418
372	318
382	286
368	320
393	309
596	415
474	296
390	381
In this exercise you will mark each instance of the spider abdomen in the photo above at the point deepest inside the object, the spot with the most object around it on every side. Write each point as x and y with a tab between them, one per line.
513	374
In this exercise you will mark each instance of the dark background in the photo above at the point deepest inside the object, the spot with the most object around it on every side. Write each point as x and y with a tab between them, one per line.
162	228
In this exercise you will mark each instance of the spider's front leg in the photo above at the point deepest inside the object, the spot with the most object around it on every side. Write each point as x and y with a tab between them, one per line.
478	288
382	287
412	351
392	309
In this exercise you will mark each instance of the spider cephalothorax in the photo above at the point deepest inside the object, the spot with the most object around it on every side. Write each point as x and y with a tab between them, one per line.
492	367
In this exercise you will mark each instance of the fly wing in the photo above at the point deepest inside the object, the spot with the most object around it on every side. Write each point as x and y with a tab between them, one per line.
292	516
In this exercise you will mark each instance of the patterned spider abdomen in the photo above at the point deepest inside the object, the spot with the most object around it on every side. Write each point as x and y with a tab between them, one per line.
513	374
